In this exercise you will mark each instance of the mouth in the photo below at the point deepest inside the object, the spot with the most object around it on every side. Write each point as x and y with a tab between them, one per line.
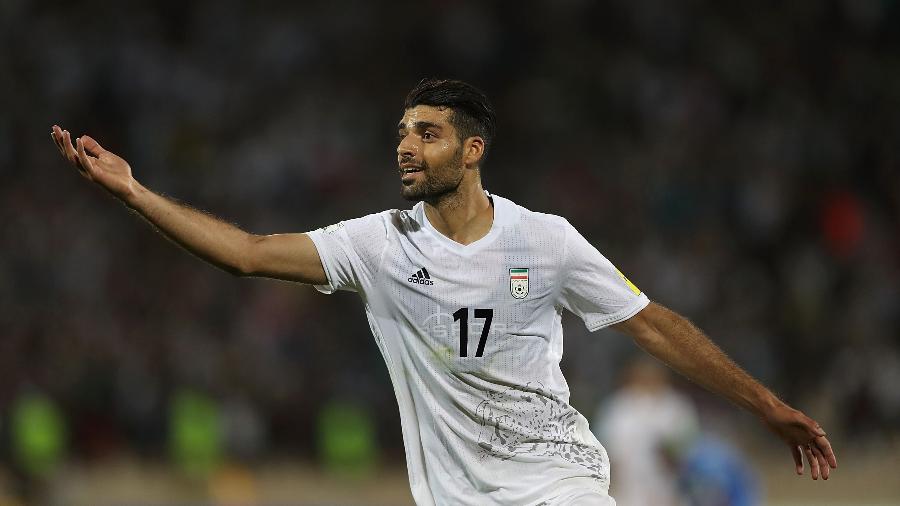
408	171
408	168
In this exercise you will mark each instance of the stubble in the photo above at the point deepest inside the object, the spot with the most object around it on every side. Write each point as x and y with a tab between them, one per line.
437	182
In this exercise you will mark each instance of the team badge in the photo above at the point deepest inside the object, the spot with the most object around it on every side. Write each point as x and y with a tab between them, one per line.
518	283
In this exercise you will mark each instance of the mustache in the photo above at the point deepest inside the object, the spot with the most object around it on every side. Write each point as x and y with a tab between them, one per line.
409	160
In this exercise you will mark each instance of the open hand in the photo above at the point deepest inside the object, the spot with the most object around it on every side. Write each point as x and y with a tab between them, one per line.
95	163
805	437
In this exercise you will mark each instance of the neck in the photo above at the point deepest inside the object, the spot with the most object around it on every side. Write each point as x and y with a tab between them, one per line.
464	215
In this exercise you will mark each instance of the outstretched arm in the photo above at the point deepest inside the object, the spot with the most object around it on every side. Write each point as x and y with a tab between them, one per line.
672	339
291	257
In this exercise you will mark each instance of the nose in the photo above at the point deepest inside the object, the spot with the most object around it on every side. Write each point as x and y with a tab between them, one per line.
406	148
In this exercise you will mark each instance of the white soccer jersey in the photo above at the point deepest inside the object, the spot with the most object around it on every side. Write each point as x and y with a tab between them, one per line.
472	338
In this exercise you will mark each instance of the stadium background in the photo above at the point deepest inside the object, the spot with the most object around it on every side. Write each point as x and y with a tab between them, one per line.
738	162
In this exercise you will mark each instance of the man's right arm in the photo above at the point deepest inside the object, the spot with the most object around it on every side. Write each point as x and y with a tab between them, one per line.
291	257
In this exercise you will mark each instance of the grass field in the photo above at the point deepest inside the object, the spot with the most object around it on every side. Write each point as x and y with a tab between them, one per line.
860	481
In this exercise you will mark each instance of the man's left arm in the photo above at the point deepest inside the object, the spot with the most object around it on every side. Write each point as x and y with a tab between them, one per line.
675	341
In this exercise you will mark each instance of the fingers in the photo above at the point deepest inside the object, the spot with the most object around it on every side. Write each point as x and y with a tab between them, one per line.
798	459
812	427
825	446
70	152
59	137
821	448
83	158
77	156
813	462
93	147
56	135
818	431
823	464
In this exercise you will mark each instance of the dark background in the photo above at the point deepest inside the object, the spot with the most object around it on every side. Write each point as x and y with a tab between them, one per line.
738	162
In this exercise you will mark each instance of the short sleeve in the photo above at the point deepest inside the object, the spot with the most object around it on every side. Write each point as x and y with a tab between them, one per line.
351	252
592	287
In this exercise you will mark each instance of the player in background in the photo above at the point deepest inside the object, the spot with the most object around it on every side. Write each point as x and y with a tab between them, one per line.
635	422
464	295
660	454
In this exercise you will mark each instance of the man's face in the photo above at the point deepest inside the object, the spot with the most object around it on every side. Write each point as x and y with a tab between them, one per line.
429	154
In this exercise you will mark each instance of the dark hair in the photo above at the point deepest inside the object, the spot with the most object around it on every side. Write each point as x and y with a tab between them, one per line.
472	114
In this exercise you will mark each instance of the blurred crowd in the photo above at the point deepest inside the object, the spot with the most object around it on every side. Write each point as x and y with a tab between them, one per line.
739	162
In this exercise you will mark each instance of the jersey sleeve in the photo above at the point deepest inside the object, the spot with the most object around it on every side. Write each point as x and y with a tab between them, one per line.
351	252
592	287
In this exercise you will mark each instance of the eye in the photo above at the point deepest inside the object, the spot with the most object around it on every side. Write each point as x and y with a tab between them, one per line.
428	135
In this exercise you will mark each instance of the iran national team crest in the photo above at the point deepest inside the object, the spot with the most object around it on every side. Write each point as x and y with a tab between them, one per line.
518	283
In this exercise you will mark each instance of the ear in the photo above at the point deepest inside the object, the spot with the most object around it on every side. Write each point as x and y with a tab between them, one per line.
473	150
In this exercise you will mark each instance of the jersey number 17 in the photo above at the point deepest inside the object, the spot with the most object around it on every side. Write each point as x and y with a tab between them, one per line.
462	316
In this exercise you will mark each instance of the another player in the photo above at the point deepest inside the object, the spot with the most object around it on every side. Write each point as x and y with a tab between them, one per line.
464	294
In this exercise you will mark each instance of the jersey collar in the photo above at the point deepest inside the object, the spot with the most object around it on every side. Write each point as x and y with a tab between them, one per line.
505	214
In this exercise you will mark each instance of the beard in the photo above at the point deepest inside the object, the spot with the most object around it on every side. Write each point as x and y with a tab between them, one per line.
436	181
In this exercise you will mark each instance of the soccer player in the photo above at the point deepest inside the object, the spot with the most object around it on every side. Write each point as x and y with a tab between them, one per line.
464	295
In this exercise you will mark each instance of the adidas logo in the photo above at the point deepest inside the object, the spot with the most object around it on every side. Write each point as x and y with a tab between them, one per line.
421	277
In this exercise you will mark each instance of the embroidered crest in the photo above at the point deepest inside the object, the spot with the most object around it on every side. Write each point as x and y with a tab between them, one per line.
518	282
